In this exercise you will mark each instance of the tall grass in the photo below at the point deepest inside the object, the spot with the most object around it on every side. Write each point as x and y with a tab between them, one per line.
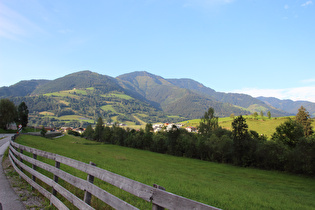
219	185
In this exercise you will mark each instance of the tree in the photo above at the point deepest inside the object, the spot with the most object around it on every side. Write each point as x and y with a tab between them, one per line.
89	132
43	131
23	114
289	133
303	117
208	122
148	128
147	138
261	114
98	133
269	114
240	136
255	115
8	113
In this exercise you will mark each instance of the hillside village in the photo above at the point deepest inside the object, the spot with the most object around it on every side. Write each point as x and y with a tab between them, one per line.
158	127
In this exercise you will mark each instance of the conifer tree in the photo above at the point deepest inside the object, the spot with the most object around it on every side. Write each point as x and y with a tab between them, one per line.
303	117
99	130
23	114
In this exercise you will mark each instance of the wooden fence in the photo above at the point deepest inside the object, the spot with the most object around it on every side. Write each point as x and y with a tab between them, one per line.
156	195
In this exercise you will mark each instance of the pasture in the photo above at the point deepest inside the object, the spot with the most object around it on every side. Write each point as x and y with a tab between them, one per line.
260	125
219	185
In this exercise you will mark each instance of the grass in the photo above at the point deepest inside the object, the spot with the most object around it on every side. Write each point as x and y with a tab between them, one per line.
219	185
47	113
266	126
70	118
139	120
108	108
260	125
119	95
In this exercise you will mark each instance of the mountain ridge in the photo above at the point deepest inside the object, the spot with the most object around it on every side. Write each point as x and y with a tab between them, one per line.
183	97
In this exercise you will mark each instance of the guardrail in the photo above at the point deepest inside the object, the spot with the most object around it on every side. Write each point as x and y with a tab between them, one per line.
156	195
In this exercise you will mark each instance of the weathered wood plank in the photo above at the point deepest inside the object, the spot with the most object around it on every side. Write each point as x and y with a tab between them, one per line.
136	188
148	193
64	192
80	183
43	191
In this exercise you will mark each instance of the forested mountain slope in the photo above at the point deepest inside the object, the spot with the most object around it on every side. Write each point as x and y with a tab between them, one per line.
172	98
22	88
82	79
289	105
241	100
137	97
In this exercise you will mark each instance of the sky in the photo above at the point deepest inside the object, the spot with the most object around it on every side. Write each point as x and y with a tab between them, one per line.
256	47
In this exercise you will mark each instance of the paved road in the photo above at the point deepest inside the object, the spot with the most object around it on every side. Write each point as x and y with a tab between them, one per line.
9	200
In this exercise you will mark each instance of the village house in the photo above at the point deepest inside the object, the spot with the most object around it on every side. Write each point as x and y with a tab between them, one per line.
191	129
79	130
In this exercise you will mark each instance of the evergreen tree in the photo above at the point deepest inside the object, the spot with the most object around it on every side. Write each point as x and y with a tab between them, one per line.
98	133
303	117
269	114
23	114
240	137
89	132
261	114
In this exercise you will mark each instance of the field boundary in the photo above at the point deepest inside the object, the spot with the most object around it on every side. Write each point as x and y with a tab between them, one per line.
156	195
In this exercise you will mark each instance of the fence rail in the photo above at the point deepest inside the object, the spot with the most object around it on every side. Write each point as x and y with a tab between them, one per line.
156	195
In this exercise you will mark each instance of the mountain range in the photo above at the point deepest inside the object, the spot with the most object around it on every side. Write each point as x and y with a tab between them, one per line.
184	98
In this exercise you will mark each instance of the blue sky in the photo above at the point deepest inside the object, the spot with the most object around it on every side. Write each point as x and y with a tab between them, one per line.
258	47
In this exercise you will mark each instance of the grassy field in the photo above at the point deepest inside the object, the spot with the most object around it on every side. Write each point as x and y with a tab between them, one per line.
119	95
262	126
219	185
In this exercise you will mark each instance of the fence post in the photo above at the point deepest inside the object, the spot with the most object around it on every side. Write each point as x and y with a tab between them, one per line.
154	206
57	165
88	195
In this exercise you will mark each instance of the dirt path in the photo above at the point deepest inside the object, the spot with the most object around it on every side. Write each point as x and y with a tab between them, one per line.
15	193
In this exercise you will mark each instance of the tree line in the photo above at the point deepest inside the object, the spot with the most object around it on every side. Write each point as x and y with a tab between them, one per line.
9	113
291	148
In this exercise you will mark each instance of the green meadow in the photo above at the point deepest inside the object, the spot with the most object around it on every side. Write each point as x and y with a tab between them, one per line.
220	185
260	125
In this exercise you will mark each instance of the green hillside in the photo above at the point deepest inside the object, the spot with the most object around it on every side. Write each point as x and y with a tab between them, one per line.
78	107
173	98
243	101
83	79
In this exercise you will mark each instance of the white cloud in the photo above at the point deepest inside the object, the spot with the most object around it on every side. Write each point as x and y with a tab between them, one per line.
295	94
13	24
307	3
308	80
286	6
